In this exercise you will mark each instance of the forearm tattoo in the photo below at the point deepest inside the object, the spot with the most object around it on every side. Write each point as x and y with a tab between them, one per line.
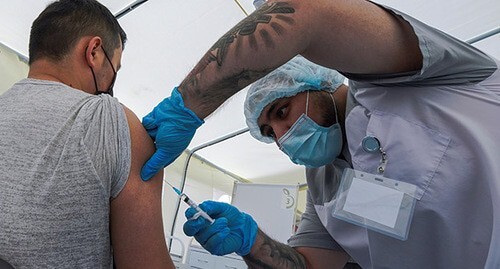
248	26
275	15
273	254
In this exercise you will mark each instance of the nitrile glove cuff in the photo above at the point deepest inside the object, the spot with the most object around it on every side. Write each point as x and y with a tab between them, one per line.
250	234
179	102
172	109
172	126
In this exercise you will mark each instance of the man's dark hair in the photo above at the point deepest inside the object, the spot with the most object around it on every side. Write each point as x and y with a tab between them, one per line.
57	29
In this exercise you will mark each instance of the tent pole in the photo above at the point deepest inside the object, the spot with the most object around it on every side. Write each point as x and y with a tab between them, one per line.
241	7
129	8
216	167
19	55
191	152
484	35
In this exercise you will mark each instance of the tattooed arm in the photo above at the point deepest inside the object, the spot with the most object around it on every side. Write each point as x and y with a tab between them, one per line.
353	36
267	253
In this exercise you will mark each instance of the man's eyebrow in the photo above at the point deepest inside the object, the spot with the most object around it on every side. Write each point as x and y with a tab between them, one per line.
270	110
264	127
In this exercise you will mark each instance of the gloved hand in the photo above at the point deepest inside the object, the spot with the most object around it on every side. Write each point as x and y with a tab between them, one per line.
172	126
232	231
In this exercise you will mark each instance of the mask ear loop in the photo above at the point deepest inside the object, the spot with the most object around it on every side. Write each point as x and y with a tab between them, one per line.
307	102
334	107
93	75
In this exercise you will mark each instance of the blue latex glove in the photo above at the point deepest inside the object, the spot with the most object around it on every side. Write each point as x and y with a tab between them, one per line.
232	231
172	126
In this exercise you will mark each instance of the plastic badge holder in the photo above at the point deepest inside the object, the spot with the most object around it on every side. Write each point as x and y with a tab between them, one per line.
375	202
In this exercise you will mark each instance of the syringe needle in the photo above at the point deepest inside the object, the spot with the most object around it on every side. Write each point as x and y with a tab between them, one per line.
175	189
191	203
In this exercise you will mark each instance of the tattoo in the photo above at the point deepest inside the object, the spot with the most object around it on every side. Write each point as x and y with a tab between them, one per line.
228	86
253	42
191	81
267	38
247	26
274	14
285	19
272	254
277	28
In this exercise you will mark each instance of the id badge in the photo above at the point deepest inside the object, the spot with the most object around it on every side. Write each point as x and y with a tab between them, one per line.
375	202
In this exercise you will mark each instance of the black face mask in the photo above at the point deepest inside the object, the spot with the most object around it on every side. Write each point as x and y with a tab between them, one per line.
110	88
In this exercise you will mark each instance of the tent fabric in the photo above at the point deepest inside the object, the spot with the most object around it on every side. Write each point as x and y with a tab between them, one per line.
167	38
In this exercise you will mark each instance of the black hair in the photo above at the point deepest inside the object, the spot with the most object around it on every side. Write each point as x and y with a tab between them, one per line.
62	23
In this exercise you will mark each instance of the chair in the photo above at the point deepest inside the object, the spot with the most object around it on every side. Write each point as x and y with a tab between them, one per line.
177	259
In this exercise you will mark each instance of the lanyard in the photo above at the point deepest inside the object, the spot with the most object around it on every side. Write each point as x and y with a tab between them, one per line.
371	144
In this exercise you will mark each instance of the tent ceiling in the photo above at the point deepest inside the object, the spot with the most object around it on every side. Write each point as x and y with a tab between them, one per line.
167	38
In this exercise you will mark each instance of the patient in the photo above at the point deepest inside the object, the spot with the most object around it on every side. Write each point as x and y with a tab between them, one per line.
70	191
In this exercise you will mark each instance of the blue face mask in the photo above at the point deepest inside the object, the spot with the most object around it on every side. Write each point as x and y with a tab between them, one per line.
310	144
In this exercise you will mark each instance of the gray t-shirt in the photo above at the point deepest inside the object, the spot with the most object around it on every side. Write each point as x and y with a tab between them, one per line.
64	155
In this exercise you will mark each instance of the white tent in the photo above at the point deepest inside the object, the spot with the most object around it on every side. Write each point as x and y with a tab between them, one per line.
166	39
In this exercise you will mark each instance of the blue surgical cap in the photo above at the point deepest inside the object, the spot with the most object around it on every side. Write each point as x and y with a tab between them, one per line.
293	77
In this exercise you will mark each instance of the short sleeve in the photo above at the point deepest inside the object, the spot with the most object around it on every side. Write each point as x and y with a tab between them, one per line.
446	60
108	142
311	232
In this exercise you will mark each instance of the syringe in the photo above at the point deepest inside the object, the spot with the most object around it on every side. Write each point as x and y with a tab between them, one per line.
191	203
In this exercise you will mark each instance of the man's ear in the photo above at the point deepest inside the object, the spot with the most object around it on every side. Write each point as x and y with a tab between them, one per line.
91	49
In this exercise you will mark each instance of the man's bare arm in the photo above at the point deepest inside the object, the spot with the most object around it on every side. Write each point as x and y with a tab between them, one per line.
353	36
268	253
136	218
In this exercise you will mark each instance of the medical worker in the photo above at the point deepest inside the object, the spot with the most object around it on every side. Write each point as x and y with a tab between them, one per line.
414	183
